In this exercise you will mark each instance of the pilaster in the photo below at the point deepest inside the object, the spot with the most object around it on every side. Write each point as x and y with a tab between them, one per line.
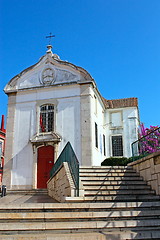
86	129
9	140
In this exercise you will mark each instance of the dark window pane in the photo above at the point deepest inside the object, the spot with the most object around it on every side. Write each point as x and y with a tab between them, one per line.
50	107
117	146
43	108
96	135
46	118
104	145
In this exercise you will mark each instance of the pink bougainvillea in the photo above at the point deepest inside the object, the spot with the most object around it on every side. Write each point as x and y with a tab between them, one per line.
149	141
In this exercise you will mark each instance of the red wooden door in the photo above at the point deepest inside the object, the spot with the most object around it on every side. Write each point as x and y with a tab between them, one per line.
45	163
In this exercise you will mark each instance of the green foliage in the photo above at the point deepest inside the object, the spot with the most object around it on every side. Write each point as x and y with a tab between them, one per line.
115	161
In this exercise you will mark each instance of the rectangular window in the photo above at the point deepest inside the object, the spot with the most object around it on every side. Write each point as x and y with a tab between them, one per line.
104	145
96	135
117	146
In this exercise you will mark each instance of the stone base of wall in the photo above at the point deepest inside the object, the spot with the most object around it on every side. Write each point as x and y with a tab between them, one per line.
149	168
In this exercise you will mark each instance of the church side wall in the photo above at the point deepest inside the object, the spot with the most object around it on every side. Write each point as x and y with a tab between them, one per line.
67	125
92	113
97	117
128	128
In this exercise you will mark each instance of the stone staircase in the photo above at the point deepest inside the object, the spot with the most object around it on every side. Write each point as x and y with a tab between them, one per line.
116	183
117	205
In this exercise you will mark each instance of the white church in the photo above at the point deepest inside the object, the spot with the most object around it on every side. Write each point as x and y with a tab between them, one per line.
54	102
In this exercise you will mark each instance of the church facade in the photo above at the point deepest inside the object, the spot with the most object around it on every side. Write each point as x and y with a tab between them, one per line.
51	103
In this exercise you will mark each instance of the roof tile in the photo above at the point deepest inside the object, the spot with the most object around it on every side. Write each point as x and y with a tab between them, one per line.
121	103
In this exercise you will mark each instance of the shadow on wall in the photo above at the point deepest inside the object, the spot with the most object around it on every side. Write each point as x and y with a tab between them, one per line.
19	169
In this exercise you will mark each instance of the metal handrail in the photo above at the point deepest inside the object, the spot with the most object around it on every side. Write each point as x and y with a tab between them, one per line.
68	155
144	145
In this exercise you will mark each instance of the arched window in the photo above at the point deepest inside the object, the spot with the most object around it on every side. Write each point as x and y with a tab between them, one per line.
47	118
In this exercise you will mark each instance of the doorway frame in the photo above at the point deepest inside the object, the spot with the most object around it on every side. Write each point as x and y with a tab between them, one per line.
35	159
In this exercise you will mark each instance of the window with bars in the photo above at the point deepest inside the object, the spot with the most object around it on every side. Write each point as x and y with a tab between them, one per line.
47	118
117	146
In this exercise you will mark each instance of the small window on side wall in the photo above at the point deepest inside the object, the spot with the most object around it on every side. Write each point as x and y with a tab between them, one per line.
95	105
104	145
46	123
96	135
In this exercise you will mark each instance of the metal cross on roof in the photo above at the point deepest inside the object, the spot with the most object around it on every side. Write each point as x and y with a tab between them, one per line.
50	37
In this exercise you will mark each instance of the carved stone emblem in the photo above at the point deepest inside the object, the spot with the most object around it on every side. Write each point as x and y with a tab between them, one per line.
48	76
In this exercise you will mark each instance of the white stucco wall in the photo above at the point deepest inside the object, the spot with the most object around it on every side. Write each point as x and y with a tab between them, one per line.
22	148
68	123
67	126
130	126
128	130
98	118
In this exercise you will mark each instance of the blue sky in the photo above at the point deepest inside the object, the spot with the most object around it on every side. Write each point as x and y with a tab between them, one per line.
116	41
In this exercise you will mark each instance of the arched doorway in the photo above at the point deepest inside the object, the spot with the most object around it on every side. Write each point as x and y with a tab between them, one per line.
45	162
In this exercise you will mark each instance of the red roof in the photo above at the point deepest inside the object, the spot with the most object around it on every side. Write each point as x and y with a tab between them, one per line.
121	103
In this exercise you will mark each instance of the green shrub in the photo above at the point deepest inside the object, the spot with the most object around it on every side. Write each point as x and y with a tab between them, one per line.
131	159
115	161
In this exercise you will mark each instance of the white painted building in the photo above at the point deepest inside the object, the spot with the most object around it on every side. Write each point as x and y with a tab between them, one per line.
53	102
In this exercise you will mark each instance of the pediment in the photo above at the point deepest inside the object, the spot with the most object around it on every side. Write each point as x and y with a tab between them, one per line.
49	71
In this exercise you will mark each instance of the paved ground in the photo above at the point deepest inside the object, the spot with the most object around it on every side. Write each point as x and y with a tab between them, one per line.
26	198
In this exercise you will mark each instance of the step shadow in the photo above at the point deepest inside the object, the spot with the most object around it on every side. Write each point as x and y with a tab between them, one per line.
144	226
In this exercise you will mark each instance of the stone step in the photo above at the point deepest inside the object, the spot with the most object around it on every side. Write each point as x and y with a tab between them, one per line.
102	235
79	225
124	178
116	187
101	191
117	198
90	170
28	191
56	207
107	167
78	215
112	182
114	174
